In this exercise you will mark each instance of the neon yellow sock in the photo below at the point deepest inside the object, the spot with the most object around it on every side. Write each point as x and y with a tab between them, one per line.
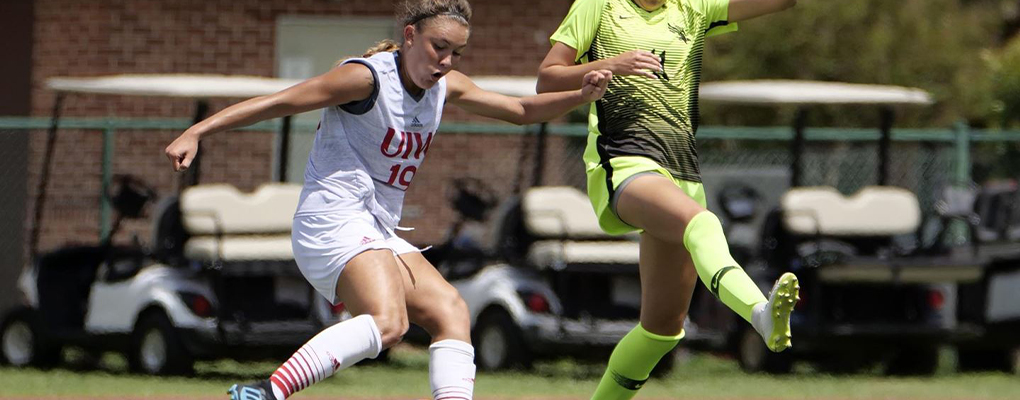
705	241
631	363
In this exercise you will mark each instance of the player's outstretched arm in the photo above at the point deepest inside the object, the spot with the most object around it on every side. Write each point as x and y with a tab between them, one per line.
341	85
524	110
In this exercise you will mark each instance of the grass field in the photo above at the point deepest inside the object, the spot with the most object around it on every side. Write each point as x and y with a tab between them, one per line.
406	377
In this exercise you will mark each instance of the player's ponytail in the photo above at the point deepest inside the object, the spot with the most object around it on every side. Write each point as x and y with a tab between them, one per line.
381	47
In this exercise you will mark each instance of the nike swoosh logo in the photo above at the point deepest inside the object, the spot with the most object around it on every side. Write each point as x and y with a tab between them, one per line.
624	16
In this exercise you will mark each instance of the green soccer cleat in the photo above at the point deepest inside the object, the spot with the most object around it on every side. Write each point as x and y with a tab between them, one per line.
772	319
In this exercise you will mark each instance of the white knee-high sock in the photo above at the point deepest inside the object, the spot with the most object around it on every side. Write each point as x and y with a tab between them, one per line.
451	370
333	349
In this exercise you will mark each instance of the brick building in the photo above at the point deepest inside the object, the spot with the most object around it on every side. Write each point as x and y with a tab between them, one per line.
47	38
68	38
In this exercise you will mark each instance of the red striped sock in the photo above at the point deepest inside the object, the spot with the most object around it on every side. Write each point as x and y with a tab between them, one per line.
333	349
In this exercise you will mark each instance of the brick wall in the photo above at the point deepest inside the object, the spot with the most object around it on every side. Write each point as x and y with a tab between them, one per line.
102	37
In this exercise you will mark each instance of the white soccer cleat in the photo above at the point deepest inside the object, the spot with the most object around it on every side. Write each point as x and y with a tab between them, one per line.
772	319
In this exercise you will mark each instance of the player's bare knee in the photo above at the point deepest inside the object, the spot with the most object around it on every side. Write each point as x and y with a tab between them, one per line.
458	313
392	327
689	213
703	215
673	232
448	313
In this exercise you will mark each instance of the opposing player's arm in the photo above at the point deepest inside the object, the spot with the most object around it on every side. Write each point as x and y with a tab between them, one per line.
559	72
523	110
742	10
341	85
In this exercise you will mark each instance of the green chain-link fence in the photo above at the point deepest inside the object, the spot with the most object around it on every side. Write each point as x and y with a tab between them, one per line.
923	161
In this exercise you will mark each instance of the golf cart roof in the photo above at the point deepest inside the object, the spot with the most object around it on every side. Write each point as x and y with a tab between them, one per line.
517	86
766	92
201	86
172	85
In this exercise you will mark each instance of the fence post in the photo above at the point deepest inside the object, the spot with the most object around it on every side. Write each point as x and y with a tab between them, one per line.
283	150
962	167
107	174
959	231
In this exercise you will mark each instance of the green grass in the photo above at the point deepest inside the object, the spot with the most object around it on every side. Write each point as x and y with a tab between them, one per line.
695	377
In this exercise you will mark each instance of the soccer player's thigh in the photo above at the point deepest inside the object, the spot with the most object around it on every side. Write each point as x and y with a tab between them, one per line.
654	203
432	302
668	278
371	284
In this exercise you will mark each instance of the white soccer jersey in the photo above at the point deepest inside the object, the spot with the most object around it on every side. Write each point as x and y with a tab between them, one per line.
366	153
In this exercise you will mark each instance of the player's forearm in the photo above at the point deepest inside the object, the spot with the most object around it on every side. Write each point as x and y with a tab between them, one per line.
546	106
555	78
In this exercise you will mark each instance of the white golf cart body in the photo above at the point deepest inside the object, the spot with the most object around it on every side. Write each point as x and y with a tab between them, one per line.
820	216
164	315
226	234
567	240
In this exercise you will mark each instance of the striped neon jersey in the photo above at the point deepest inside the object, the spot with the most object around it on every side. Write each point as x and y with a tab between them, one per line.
639	116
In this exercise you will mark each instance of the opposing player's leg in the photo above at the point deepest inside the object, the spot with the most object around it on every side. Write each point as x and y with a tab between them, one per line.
666	211
667	282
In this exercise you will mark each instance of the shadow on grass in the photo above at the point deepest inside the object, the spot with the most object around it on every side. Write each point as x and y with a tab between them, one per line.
406	357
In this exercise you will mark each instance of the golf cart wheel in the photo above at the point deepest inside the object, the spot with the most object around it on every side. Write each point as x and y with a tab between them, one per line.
755	357
157	348
499	343
22	343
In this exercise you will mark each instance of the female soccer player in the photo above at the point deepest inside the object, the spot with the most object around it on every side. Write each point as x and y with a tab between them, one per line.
643	171
380	116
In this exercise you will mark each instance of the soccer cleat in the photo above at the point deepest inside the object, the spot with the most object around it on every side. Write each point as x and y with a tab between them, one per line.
772	319
261	390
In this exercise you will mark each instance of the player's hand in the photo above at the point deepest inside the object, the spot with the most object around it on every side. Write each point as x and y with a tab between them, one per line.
636	62
182	151
593	86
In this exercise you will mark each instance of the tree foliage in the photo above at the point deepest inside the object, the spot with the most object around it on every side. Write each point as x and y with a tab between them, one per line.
1006	84
947	47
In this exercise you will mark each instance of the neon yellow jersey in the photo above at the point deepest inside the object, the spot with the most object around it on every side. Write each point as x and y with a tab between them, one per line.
639	116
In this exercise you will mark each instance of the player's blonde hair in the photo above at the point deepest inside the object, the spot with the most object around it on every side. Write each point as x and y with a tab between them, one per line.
417	13
381	47
420	12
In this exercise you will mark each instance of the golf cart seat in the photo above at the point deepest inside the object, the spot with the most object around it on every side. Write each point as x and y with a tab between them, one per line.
873	211
567	233
227	226
997	207
863	223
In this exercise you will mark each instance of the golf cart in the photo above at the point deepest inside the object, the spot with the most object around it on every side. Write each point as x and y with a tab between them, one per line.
878	281
539	276
992	303
218	279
